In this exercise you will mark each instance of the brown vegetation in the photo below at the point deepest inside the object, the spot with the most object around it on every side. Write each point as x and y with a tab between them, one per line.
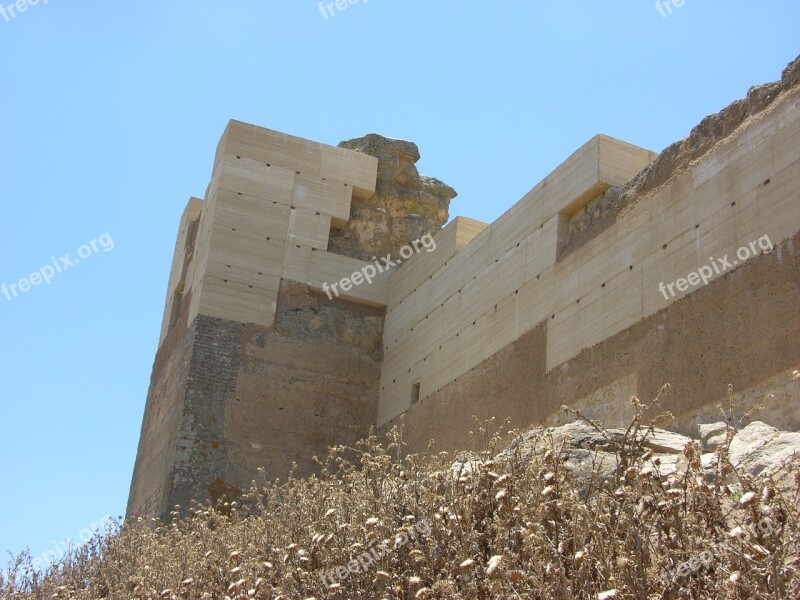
502	525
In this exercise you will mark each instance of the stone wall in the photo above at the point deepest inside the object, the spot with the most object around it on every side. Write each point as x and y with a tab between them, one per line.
559	301
307	383
741	329
589	251
257	368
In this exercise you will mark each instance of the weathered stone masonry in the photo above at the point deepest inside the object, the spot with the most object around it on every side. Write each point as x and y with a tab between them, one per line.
556	302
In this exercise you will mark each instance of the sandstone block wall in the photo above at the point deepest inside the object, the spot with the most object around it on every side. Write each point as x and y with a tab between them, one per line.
741	329
500	285
557	302
588	323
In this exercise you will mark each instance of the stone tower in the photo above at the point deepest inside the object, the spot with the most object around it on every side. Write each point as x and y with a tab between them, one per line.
256	366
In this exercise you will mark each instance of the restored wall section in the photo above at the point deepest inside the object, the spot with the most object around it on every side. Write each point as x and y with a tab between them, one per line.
223	399
512	278
740	329
271	203
459	312
165	408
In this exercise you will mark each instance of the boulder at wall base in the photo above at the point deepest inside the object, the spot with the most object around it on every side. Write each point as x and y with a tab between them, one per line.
757	448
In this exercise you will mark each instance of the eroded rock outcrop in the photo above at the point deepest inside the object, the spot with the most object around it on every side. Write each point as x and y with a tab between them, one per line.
676	158
405	206
756	449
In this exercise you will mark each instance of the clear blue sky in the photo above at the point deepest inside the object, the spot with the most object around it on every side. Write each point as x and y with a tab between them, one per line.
112	111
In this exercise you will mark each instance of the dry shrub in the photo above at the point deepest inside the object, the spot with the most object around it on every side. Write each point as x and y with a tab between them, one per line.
510	525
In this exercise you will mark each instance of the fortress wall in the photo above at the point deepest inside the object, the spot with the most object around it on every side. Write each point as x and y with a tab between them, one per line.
450	240
229	398
187	231
228	394
499	286
165	405
508	279
557	302
740	329
307	383
155	457
327	268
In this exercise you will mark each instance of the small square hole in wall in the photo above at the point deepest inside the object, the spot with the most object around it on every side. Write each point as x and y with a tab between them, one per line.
415	392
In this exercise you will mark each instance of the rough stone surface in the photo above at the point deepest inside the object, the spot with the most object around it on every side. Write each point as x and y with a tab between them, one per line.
710	431
677	157
580	434
756	449
307	383
163	414
405	206
246	398
760	448
201	448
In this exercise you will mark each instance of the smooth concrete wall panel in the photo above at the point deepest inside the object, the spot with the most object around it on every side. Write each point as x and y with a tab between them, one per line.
446	281
479	287
328	268
541	246
665	266
352	168
451	239
308	228
778	202
421	266
242	175
619	161
467	230
270	147
580	174
270	205
710	215
306	158
536	299
234	301
513	225
328	197
274	227
297	263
